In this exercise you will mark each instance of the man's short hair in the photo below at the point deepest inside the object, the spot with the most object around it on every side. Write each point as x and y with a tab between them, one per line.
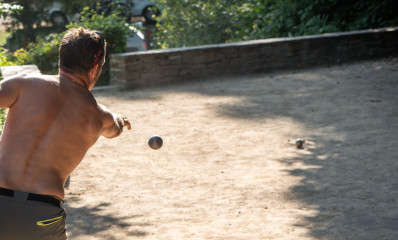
81	49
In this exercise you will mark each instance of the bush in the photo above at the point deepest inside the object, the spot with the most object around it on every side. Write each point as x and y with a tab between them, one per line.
19	57
5	58
113	27
21	38
196	22
199	22
44	53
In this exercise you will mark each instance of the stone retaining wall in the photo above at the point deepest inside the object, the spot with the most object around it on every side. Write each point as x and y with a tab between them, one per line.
157	67
20	70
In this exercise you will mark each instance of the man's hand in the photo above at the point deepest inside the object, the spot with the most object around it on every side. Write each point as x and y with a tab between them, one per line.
113	123
126	122
121	122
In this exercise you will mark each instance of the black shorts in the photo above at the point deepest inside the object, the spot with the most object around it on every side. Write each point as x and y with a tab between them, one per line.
31	216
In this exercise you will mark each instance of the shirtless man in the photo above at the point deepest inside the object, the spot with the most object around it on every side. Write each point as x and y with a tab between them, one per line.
51	123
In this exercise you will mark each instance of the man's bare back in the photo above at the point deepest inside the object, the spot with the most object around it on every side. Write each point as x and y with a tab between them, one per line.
51	124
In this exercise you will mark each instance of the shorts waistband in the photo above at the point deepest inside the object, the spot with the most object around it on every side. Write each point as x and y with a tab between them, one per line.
34	197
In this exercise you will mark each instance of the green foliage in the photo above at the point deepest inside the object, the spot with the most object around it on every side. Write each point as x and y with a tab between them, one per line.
3	37
6	9
19	57
22	38
2	119
5	58
71	7
32	13
114	28
27	20
304	17
44	51
198	22
281	18
11	59
35	12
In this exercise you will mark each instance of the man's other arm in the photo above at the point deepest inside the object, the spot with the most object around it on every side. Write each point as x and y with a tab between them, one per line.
9	91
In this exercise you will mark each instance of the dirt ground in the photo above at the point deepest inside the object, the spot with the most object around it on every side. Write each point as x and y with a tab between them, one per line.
229	168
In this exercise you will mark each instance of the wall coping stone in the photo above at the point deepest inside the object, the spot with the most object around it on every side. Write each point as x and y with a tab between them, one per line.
260	41
166	66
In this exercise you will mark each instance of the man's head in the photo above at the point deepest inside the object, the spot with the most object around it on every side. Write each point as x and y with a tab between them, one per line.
81	50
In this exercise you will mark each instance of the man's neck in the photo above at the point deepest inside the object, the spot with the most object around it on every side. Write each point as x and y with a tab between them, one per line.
75	78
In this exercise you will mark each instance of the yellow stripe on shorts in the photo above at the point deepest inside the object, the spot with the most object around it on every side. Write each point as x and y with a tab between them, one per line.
49	221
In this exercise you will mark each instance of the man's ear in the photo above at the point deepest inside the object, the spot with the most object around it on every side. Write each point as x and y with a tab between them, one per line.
93	71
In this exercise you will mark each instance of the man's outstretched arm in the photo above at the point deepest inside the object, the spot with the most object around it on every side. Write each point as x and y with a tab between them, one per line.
113	123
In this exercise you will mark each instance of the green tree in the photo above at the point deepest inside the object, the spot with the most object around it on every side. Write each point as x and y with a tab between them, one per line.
198	22
35	12
7	9
303	17
32	13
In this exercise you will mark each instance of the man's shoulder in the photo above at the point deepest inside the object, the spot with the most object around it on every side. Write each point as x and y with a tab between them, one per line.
33	79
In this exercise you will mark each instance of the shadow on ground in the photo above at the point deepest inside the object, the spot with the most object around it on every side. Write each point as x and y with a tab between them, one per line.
351	117
94	221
